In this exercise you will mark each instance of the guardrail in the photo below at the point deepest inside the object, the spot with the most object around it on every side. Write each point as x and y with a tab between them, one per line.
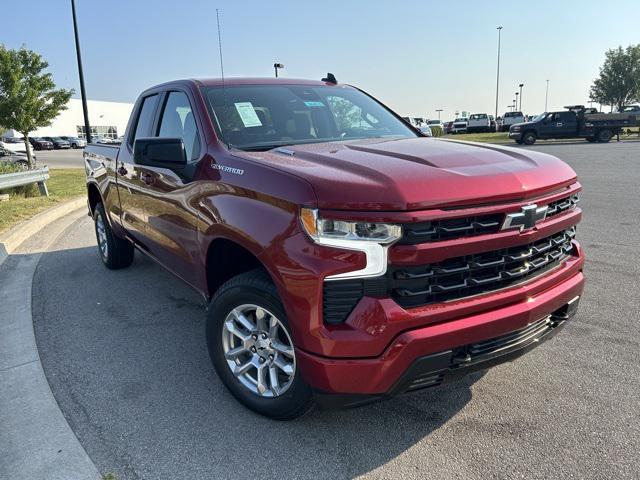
17	179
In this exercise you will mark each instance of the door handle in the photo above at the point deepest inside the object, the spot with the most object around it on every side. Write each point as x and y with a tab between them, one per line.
122	171
146	178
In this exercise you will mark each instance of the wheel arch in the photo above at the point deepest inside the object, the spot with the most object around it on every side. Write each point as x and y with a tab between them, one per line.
94	196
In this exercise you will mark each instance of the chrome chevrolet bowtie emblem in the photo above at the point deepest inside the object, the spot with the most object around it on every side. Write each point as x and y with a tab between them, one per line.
527	218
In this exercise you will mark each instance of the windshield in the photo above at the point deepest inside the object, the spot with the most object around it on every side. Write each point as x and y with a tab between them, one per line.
262	117
433	122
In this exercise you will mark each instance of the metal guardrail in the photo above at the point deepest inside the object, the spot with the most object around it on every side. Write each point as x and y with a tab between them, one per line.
17	179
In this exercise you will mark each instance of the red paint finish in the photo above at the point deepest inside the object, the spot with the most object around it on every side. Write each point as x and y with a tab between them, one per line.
176	220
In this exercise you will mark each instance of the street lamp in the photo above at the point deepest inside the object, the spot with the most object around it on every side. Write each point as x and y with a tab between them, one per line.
546	97
438	110
521	85
276	66
516	100
498	70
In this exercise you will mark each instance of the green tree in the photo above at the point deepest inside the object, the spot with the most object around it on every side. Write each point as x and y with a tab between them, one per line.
619	81
28	96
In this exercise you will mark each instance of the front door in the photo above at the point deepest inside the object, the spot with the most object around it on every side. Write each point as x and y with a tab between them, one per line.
171	219
131	188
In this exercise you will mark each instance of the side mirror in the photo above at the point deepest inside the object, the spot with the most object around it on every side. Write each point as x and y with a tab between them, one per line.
160	152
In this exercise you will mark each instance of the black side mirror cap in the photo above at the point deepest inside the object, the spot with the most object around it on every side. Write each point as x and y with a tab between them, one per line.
160	152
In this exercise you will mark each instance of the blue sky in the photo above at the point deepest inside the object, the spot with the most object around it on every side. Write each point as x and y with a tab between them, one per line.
414	56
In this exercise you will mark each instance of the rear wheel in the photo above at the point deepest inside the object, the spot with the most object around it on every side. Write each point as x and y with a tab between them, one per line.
529	138
251	347
591	139
604	136
115	252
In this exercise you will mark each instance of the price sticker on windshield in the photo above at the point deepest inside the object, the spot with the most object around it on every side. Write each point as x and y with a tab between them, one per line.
248	114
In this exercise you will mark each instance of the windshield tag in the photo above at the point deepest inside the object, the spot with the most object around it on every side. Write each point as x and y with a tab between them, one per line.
314	104
248	114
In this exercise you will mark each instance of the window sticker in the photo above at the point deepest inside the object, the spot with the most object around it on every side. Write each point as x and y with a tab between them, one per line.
248	114
314	104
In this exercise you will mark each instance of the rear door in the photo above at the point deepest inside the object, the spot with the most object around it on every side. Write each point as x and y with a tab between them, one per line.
171	216
131	188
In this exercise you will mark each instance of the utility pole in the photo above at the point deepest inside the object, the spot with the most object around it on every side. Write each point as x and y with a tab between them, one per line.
521	85
546	97
83	93
498	70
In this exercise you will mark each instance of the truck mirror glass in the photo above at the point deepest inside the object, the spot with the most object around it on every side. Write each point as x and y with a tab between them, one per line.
160	152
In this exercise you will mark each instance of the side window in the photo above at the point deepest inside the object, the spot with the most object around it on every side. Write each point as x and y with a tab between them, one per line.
145	118
567	117
178	122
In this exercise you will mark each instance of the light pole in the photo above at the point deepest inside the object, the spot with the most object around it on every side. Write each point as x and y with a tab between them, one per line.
516	103
276	66
521	85
546	97
83	93
438	110
498	70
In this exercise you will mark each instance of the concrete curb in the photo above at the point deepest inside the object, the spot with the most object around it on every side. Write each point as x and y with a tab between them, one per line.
35	439
12	239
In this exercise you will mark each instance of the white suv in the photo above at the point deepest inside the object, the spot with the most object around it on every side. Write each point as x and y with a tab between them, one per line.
511	118
460	125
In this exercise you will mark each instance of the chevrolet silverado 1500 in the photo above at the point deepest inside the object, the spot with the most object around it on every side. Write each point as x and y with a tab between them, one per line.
345	257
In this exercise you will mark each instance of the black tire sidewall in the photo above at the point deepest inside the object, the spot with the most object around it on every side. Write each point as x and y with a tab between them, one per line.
604	136
529	138
297	399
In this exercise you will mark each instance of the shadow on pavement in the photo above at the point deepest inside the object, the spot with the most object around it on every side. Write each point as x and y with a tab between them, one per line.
125	356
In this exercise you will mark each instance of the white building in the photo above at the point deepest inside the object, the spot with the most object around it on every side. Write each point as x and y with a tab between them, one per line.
107	119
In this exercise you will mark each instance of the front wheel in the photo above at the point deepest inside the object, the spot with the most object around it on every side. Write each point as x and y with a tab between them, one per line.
115	252
529	138
251	348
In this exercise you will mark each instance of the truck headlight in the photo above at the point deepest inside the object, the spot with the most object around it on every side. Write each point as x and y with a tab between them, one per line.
515	129
373	239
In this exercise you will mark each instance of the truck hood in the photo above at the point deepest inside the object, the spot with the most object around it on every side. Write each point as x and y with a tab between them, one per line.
417	173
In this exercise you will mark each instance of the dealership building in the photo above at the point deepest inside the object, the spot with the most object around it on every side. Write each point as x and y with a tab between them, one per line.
107	119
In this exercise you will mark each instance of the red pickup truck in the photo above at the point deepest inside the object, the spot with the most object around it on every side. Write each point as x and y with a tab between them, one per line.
345	257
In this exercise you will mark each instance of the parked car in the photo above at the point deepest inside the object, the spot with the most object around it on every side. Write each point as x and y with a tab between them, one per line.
102	140
340	271
58	142
479	122
9	156
448	127
75	142
436	125
511	118
493	126
426	130
16	145
460	125
572	123
39	144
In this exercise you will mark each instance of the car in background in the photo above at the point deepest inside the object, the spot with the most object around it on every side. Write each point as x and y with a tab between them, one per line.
58	142
75	142
494	125
633	110
426	130
460	125
448	127
511	118
436	125
20	159
39	144
101	140
479	123
16	145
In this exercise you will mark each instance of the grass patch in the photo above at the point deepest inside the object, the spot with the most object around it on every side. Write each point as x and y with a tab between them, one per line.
63	184
498	137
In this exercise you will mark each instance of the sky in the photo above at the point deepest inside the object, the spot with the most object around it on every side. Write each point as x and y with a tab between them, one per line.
413	56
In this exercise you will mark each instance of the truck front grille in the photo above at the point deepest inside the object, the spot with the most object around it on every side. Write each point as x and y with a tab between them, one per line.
473	274
451	279
453	228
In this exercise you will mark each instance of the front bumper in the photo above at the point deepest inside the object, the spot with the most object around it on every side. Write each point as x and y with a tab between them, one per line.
421	353
515	135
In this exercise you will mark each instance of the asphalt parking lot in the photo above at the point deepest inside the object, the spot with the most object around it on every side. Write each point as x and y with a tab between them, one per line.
125	356
69	158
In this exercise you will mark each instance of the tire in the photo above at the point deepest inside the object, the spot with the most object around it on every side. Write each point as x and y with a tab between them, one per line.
604	136
591	139
529	138
250	294
116	253
519	141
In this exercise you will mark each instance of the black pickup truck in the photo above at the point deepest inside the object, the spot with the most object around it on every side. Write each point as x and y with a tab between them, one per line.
572	123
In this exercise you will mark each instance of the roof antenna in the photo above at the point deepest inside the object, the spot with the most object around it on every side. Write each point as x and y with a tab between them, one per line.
224	92
330	78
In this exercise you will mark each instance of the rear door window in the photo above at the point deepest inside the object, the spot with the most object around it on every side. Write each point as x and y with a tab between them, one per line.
178	122
144	121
